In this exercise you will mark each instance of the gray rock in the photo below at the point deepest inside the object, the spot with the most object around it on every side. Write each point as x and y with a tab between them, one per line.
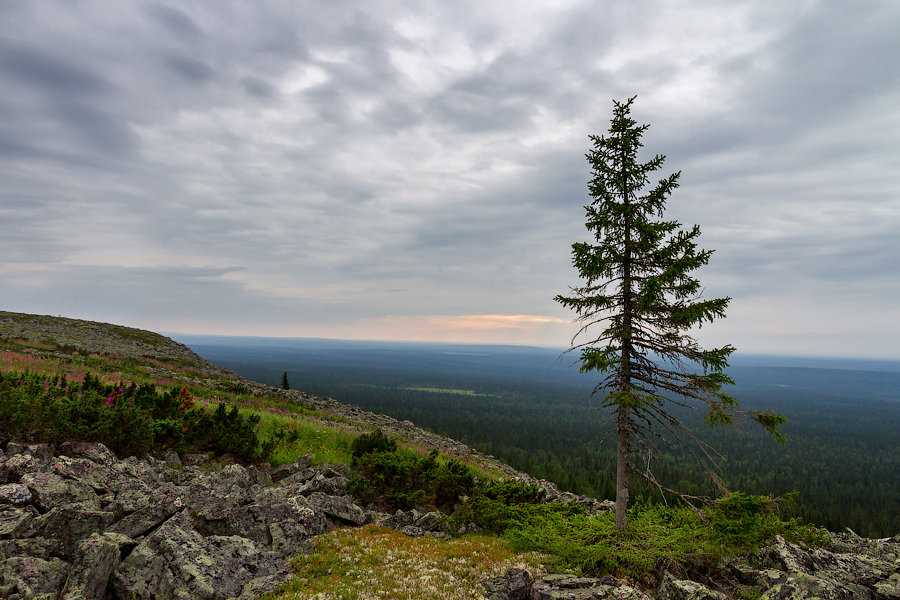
51	490
801	586
175	561
133	494
92	451
95	475
852	567
889	589
413	531
340	507
570	587
173	460
13	466
683	589
32	578
41	452
515	585
95	561
335	485
16	494
284	527
34	546
284	471
400	519
144	520
194	460
69	524
430	521
14	521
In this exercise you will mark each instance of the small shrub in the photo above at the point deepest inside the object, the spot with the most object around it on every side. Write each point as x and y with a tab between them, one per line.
745	521
514	491
398	478
223	431
129	420
369	443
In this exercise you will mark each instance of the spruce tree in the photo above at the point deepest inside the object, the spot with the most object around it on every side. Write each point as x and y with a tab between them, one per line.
640	292
285	385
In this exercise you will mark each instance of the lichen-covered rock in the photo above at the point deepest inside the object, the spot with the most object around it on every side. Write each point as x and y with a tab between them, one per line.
685	589
284	527
889	589
340	507
176	561
35	546
96	559
515	585
69	524
41	452
144	520
83	524
326	483
32	578
802	586
570	587
14	521
13	466
16	494
51	490
851	568
92	451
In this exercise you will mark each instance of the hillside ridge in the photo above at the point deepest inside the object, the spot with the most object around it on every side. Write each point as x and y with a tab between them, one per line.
108	338
94	336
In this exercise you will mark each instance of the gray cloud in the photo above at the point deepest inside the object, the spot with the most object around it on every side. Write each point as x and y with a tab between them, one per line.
176	21
309	168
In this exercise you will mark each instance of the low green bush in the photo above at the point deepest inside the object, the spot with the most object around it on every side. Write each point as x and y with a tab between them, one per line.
369	443
399	478
657	535
130	420
514	491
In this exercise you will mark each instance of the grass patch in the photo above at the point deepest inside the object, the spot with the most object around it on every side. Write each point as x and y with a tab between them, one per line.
456	392
293	436
373	562
657	536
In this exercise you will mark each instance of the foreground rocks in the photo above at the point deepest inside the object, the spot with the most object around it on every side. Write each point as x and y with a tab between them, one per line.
77	523
851	568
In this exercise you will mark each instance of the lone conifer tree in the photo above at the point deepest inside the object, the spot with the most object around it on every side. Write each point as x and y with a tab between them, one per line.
285	384
639	289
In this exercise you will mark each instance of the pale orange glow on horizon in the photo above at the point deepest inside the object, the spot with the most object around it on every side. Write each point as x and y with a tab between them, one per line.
476	329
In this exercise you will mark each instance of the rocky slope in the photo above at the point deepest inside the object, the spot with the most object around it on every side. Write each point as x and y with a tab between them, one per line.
76	522
90	336
105	338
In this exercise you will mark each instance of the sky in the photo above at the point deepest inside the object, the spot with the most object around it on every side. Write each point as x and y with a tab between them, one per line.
416	170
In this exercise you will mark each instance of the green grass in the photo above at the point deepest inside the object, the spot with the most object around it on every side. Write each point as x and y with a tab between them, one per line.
456	392
657	535
305	435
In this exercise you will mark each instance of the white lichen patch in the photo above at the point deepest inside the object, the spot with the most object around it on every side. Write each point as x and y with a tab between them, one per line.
372	563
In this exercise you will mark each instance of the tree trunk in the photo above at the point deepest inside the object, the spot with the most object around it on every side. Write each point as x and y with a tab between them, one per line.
622	471
623	383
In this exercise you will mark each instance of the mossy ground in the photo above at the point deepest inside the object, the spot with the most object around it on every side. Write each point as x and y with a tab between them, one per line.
373	562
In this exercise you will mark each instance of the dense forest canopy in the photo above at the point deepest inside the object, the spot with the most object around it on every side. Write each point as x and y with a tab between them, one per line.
531	408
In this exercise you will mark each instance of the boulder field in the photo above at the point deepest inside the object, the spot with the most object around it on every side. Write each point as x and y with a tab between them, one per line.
78	523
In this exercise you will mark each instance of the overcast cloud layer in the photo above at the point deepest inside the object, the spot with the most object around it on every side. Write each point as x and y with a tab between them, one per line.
416	170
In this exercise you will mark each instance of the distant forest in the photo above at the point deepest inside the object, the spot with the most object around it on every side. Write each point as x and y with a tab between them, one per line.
530	408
